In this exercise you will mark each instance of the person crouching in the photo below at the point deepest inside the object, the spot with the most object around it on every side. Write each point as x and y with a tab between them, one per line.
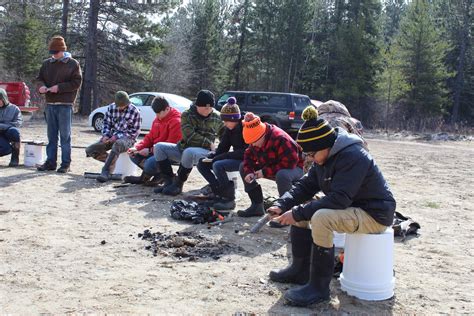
272	154
357	200
121	129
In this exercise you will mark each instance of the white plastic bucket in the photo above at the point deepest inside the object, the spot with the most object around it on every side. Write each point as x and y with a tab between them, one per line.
368	266
339	239
234	177
125	166
33	155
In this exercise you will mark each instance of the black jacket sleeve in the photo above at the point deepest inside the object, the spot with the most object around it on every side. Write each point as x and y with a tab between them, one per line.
303	190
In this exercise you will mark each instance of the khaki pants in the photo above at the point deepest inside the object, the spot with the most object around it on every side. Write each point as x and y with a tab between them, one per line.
350	220
99	150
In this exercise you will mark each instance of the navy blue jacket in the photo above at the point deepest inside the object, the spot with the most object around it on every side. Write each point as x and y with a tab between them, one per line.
348	178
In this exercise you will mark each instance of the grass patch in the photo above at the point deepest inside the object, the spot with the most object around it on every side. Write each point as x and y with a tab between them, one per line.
432	205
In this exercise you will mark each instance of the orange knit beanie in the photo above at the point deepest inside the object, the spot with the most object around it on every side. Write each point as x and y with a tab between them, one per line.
253	129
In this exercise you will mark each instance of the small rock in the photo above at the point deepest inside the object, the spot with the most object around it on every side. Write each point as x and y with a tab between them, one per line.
263	281
103	242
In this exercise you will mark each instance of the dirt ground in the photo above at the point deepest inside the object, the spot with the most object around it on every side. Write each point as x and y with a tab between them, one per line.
70	245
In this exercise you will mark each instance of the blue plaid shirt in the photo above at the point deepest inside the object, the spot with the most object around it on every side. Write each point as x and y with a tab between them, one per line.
122	123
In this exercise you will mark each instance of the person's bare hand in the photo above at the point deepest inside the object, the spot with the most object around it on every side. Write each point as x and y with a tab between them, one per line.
259	174
274	211
250	178
104	139
54	89
286	218
43	90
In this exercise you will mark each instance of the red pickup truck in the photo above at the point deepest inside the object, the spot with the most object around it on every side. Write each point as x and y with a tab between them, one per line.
19	94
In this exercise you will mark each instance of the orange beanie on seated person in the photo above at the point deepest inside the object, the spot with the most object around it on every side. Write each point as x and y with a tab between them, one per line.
253	128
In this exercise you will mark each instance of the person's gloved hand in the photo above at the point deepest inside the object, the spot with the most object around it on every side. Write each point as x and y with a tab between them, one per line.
211	155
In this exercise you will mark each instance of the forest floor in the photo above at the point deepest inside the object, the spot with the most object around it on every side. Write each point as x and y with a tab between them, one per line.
71	245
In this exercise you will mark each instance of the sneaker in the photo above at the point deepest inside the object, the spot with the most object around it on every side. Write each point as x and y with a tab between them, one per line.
47	166
63	169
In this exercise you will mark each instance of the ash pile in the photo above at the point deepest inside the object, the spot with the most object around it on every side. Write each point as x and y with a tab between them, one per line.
186	245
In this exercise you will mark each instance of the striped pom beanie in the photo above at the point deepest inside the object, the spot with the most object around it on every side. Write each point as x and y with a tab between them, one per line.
315	134
230	111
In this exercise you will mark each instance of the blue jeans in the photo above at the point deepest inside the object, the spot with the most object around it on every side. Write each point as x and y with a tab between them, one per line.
59	121
187	158
10	135
147	163
216	173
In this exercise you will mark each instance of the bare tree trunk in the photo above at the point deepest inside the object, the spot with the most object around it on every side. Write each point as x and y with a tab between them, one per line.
243	31
462	56
89	99
64	18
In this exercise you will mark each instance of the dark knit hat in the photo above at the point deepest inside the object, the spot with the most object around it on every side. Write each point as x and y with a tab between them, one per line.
159	104
205	98
230	112
315	134
121	98
57	44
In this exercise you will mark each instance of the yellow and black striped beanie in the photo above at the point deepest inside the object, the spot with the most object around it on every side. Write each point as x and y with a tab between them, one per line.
315	134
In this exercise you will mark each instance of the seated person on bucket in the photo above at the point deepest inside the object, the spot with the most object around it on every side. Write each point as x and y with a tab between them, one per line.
273	155
357	200
223	160
166	128
200	124
10	122
121	129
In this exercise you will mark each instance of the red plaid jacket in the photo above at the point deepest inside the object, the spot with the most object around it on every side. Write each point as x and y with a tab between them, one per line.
279	151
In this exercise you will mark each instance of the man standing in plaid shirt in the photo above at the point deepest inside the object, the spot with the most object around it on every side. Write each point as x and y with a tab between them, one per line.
273	155
121	129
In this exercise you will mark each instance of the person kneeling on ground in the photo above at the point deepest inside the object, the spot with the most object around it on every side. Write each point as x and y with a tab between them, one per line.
200	124
10	122
357	200
218	163
273	155
166	128
121	129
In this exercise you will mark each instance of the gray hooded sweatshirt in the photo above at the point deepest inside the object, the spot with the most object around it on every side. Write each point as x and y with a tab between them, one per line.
10	114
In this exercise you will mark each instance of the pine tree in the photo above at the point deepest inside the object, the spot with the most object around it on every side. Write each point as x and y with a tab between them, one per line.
421	53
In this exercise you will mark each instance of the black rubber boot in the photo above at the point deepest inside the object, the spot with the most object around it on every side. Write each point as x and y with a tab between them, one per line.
256	208
109	163
177	186
166	174
317	288
15	157
226	200
298	271
137	180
